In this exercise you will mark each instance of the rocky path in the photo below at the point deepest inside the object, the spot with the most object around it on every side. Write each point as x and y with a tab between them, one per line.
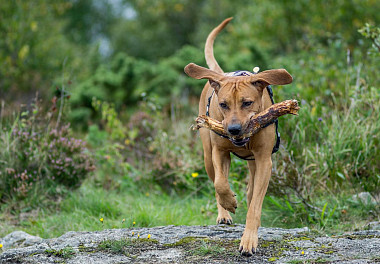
193	244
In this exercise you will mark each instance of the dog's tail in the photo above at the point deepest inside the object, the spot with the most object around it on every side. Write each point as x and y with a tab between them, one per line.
209	47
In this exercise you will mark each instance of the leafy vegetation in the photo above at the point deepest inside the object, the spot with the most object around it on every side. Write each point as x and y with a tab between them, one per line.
115	141
39	158
65	253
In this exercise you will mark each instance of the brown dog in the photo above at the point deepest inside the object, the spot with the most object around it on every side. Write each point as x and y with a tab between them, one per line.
233	100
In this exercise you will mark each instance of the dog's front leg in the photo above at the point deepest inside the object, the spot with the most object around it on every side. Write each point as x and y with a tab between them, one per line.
249	240
225	197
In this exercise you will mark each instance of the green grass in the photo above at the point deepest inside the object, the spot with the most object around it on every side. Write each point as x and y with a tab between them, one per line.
206	248
115	246
82	209
66	252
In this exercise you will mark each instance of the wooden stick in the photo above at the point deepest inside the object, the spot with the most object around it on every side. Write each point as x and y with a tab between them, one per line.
256	123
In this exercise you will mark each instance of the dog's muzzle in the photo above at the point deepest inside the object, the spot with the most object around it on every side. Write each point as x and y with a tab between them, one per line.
235	131
239	142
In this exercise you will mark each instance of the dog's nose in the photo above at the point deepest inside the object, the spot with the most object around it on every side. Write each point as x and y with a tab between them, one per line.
234	129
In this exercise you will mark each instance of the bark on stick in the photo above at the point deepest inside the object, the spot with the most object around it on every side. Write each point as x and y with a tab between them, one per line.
256	123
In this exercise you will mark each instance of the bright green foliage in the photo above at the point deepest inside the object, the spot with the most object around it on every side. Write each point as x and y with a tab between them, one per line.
373	33
113	82
126	81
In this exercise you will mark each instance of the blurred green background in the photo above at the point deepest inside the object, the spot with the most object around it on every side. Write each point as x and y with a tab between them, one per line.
96	111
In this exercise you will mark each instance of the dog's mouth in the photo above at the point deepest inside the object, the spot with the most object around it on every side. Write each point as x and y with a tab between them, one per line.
239	142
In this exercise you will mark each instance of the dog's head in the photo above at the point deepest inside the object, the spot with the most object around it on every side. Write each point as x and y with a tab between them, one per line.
239	97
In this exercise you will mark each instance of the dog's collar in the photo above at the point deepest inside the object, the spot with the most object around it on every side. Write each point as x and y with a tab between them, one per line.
270	92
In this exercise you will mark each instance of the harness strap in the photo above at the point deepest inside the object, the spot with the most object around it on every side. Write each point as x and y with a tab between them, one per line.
244	158
208	103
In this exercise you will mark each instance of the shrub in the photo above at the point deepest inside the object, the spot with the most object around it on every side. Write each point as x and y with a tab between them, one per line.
109	141
127	81
138	154
40	157
332	144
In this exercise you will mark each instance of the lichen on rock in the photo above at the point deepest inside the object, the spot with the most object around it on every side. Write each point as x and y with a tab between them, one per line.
198	244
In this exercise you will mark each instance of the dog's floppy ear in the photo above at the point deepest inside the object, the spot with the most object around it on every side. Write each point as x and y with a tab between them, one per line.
198	72
276	77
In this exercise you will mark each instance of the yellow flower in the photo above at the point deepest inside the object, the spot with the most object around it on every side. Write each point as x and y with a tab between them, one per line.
302	252
133	233
147	194
149	236
134	223
123	220
1	245
127	141
101	219
194	174
138	235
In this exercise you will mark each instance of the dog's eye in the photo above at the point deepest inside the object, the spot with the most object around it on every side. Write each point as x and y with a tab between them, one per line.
223	105
247	103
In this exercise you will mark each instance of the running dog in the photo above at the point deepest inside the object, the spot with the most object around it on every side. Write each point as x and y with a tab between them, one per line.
233	98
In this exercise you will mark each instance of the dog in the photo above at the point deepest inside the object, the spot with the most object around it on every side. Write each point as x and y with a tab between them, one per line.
233	100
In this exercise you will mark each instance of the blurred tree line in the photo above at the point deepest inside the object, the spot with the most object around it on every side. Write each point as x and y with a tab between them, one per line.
118	50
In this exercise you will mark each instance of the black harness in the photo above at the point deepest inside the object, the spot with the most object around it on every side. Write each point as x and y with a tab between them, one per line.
270	92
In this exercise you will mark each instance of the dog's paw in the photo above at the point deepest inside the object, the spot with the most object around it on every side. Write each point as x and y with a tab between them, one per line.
248	243
227	201
224	219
